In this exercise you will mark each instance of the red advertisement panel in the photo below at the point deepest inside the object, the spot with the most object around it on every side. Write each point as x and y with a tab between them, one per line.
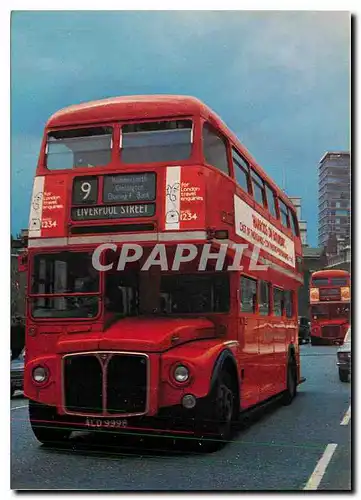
184	199
54	202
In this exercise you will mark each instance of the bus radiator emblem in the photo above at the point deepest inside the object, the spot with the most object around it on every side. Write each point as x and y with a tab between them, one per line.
104	357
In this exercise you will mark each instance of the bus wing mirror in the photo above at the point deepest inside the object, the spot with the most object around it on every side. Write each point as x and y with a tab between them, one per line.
23	262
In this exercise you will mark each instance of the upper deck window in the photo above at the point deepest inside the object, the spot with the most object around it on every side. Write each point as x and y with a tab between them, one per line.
294	223
271	201
258	188
339	281
151	142
215	149
90	147
283	213
320	281
241	170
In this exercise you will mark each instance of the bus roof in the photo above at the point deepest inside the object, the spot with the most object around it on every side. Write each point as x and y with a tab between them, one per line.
150	107
128	108
329	273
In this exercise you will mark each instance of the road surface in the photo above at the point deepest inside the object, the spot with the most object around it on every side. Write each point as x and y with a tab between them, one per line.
304	445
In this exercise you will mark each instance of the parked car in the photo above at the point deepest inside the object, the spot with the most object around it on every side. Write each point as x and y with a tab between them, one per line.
304	330
344	358
17	373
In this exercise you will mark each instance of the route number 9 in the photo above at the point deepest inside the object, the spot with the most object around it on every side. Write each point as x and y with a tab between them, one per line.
86	189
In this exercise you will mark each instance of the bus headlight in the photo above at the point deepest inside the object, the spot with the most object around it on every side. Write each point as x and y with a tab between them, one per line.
314	294
40	374
345	293
181	373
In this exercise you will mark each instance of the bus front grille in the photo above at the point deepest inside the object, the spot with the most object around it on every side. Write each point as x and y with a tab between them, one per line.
127	384
83	386
105	383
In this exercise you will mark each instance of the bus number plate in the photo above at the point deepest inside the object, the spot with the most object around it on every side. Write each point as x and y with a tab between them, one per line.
100	423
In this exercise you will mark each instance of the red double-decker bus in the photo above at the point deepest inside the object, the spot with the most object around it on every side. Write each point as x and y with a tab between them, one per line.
330	301
181	338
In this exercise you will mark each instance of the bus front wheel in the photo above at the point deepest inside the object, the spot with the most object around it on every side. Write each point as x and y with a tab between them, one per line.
221	414
44	425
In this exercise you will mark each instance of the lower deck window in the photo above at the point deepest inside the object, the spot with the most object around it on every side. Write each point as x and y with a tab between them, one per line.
278	302
288	298
194	294
330	311
248	294
139	293
264	302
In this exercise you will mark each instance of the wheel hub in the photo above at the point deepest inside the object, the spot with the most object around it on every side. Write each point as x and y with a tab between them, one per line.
225	403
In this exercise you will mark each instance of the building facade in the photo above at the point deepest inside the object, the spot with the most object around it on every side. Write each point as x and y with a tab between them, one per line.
334	198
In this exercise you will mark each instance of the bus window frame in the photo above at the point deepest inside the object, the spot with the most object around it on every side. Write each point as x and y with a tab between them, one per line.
226	142
280	289
255	295
269	288
115	163
292	302
274	198
32	296
256	179
280	202
42	163
245	169
194	139
294	226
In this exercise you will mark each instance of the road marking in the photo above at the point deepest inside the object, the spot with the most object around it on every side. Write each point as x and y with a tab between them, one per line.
320	469
347	417
18	407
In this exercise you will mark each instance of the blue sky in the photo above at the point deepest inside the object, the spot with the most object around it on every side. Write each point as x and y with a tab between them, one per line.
280	80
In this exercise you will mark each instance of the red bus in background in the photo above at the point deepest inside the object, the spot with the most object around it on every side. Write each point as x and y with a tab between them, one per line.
163	348
330	304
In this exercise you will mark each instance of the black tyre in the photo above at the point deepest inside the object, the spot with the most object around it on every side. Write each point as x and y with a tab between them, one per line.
343	374
221	414
291	390
44	424
314	340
